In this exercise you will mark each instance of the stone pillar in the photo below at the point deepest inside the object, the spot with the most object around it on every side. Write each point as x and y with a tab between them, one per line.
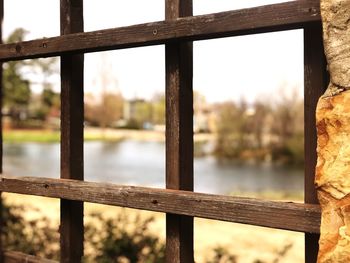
333	130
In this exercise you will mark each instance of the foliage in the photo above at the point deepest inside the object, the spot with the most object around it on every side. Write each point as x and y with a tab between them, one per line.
133	125
222	255
107	111
258	122
232	130
107	239
137	113
158	109
263	130
291	152
35	237
48	103
123	239
142	113
16	88
17	92
45	106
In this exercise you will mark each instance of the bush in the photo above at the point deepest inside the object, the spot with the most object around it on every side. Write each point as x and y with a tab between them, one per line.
291	153
222	255
122	239
108	240
28	236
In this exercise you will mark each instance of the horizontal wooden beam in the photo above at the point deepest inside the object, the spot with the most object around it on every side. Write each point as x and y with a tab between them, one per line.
282	215
289	15
19	257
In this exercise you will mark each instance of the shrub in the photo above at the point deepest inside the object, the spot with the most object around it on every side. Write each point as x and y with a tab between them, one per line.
122	239
109	240
28	236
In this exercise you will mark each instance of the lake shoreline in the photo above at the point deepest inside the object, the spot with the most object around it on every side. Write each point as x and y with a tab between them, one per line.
94	134
135	162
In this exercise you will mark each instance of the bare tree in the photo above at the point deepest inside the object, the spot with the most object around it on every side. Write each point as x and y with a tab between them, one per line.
110	102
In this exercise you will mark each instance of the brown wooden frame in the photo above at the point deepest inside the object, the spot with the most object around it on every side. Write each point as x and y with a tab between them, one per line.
179	201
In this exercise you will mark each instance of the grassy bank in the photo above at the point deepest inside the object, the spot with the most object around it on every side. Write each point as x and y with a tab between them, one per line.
49	136
92	134
43	136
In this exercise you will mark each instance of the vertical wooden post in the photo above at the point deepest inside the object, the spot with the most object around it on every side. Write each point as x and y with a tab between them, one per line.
315	83
72	117
179	135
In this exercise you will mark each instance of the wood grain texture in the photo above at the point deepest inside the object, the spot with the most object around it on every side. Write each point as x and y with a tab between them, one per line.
19	257
315	84
72	118
179	134
268	18
282	215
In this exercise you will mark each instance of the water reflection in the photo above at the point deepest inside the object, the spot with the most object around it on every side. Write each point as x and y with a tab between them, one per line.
143	163
127	162
32	159
214	176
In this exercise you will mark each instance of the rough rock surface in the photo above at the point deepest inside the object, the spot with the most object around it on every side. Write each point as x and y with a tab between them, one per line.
333	177
336	39
333	130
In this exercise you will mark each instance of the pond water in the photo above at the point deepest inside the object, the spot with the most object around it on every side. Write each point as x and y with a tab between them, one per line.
143	163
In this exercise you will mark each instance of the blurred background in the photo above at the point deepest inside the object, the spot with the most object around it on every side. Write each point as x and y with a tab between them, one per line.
248	132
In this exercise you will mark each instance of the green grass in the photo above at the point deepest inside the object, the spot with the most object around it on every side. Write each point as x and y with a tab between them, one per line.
47	136
42	136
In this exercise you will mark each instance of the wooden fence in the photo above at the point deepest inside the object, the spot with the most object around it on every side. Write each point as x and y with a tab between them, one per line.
178	201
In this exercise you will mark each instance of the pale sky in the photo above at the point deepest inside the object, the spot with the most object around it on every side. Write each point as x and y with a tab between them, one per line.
227	68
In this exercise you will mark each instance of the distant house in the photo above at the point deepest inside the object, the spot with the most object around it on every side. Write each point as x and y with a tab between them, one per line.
204	119
130	109
137	113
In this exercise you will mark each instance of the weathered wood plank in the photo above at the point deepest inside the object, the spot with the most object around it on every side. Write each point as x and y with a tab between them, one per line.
315	84
268	18
19	257
72	118
282	215
179	134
